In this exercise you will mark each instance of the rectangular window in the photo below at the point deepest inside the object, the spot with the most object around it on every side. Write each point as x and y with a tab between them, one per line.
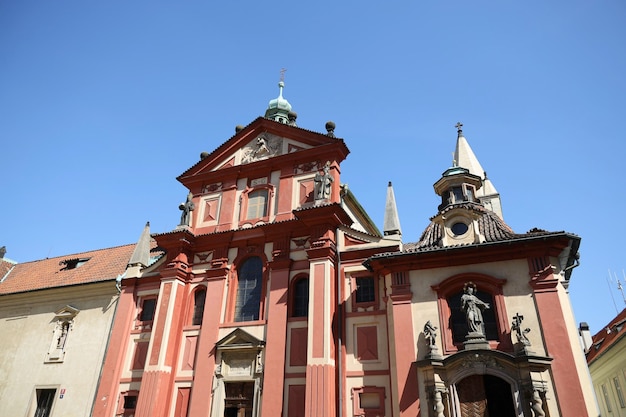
620	394
365	290
368	401
45	399
130	402
257	204
607	401
148	307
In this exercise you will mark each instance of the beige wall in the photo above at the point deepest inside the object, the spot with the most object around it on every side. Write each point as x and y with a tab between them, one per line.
604	370
27	323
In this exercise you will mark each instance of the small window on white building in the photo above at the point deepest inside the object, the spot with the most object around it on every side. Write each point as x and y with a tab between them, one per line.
620	394
63	325
44	399
607	400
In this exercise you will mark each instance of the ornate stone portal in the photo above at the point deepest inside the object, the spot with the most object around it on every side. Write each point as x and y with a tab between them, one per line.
238	375
472	383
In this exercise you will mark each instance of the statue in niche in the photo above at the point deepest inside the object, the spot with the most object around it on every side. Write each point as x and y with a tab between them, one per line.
473	308
430	333
520	333
187	207
323	183
65	327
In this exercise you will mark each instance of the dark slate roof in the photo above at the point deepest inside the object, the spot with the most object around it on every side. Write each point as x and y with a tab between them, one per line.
607	337
489	225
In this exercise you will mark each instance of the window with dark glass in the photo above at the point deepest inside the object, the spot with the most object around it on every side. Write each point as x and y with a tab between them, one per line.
458	320
130	402
459	228
301	298
45	398
469	191
249	283
257	204
148	306
458	194
198	306
365	290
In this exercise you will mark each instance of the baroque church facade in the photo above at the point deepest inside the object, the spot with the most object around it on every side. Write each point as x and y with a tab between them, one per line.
278	296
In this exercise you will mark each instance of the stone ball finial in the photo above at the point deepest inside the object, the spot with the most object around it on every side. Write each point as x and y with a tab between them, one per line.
330	128
203	155
238	128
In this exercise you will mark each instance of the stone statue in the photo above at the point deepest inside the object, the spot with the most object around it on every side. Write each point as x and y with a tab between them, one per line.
519	333
187	207
439	407
430	333
323	183
473	308
537	405
65	326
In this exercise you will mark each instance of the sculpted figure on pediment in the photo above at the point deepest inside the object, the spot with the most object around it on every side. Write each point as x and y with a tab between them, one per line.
263	147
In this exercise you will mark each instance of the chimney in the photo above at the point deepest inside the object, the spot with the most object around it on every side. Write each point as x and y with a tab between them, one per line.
585	336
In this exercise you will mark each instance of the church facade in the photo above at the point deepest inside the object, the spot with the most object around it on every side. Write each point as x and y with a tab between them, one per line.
277	295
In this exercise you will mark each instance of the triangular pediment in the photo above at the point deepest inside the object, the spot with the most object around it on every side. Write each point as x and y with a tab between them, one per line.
261	140
66	313
239	339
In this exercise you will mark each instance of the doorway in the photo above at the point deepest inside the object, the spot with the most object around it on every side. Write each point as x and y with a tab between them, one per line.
485	396
239	399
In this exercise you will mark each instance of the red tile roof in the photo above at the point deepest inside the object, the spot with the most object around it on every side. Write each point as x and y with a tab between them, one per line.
605	338
103	265
5	266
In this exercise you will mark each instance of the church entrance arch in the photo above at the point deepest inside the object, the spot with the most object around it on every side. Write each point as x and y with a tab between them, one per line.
485	396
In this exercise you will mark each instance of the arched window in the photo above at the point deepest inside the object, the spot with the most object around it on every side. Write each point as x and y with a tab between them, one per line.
300	298
198	306
249	288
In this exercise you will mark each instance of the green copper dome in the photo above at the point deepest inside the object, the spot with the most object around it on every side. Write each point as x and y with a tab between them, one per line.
279	108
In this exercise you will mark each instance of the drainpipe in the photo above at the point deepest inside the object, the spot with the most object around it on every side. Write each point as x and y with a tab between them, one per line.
340	413
339	328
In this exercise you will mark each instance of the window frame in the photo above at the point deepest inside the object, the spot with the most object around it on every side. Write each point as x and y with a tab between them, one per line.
293	299
121	409
245	201
485	283
354	287
234	291
194	306
607	400
358	410
47	412
619	391
145	325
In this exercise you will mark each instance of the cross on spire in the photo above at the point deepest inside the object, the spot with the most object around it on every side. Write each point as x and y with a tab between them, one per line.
282	74
458	126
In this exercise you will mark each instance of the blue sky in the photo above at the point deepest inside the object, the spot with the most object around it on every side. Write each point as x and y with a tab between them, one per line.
103	104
